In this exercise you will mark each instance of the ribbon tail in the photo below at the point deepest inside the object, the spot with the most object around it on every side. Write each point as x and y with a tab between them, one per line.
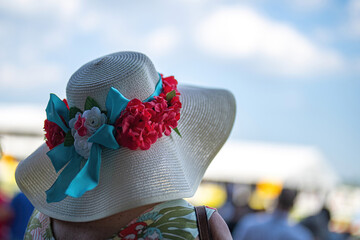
60	156
56	192
88	177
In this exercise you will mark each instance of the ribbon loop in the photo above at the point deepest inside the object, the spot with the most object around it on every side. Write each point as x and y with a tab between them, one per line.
57	109
115	103
158	90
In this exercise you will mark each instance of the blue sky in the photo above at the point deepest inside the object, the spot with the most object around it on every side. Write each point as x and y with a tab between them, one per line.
293	66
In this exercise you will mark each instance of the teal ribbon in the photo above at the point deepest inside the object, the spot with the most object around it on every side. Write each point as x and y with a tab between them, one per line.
73	180
57	109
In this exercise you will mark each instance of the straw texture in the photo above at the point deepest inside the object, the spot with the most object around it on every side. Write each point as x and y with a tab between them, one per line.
172	168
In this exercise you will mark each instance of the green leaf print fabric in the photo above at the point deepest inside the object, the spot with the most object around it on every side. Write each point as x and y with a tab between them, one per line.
174	220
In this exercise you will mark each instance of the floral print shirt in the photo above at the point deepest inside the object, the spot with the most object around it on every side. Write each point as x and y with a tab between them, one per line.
169	220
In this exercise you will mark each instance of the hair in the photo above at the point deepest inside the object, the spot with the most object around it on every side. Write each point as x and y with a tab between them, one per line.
286	199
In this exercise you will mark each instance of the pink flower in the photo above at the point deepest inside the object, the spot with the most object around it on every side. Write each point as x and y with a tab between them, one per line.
80	126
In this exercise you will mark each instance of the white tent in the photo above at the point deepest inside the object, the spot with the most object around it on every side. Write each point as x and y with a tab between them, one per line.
249	162
21	129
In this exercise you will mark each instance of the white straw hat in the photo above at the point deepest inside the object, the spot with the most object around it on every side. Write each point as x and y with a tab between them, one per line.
173	166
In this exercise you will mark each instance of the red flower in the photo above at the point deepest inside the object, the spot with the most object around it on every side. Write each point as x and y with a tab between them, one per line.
132	231
141	124
134	128
80	126
54	134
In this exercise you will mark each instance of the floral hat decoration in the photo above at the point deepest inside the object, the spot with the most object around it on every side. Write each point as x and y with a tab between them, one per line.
73	135
105	151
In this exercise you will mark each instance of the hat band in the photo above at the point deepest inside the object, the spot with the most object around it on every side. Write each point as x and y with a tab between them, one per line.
93	129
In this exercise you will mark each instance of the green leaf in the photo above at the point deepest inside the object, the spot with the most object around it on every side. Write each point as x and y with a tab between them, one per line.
73	112
48	234
177	211
177	131
90	103
175	223
28	236
34	224
170	95
175	237
69	139
178	233
173	212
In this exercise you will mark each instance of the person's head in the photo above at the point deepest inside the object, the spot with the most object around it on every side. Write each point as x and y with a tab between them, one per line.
325	213
286	199
126	137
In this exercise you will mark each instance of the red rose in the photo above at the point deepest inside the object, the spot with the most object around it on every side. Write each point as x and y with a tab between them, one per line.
54	134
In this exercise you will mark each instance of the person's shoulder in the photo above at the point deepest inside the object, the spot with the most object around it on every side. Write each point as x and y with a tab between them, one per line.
38	227
219	228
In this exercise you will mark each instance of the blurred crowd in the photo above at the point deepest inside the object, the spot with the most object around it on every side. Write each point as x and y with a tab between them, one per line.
248	219
252	211
14	216
15	208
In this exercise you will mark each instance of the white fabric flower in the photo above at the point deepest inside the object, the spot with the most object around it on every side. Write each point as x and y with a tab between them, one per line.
82	146
94	119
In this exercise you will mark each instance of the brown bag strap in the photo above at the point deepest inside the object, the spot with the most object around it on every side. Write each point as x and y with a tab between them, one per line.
203	223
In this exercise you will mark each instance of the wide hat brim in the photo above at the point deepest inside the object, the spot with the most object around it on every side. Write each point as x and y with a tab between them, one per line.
172	168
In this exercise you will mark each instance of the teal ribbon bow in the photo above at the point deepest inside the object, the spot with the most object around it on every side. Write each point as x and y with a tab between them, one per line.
75	180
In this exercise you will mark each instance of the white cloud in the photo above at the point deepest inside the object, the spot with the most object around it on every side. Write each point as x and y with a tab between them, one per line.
28	76
353	25
241	33
162	41
65	9
308	4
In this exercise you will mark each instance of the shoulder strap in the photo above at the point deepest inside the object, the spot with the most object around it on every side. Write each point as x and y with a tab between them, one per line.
203	223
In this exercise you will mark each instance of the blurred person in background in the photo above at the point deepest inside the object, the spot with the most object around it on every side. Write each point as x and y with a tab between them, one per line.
22	210
227	211
5	216
318	225
241	195
274	226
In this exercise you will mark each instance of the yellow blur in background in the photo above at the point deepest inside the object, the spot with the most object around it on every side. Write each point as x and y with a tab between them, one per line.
8	166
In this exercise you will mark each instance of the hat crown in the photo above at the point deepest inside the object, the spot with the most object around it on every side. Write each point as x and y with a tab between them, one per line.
131	73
